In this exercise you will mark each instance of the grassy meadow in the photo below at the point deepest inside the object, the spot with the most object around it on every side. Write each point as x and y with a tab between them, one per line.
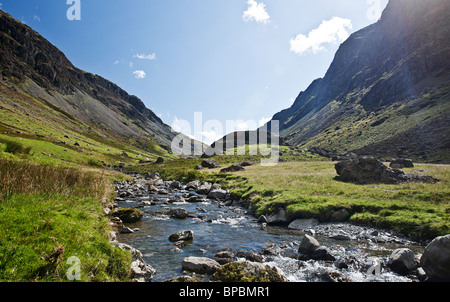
52	210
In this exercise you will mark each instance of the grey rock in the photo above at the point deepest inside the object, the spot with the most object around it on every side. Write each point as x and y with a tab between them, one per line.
204	188
368	170
126	230
308	245
182	236
435	260
303	224
322	253
183	279
217	194
194	199
340	235
200	265
175	185
278	217
178	213
232	168
142	272
210	164
193	185
244	270
247	164
128	215
402	261
340	215
216	186
401	163
176	199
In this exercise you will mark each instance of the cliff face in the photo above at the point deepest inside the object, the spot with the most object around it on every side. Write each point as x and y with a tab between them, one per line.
387	90
29	64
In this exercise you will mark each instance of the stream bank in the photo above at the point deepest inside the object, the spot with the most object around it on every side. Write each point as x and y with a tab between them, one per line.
223	230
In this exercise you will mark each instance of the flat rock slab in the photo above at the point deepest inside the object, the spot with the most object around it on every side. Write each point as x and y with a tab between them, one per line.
303	224
200	265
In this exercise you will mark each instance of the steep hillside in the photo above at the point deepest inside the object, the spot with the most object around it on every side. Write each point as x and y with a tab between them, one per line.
387	90
44	97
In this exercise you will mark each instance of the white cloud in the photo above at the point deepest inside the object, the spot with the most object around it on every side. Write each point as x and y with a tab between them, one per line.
329	32
210	137
139	74
243	125
36	18
116	62
264	121
146	57
256	12
180	125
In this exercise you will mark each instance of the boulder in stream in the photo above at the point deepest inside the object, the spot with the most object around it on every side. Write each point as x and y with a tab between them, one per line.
182	236
310	248
402	261
308	245
435	260
217	194
128	215
303	224
178	213
200	265
247	271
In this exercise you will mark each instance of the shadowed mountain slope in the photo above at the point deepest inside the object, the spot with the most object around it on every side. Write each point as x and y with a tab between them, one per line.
43	96
387	91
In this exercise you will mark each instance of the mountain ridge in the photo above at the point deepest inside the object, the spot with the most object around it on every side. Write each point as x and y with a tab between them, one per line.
37	78
396	68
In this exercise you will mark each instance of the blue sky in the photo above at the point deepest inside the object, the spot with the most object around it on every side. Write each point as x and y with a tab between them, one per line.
241	60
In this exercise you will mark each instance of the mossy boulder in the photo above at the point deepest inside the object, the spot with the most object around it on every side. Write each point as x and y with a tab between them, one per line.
184	279
128	215
247	271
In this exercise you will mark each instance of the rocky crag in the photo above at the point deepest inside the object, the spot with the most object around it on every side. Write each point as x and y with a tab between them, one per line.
386	92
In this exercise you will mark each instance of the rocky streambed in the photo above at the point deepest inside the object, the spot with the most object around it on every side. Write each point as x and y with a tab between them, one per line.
194	231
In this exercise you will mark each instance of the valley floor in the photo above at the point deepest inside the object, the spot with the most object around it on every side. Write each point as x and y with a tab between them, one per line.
48	213
312	189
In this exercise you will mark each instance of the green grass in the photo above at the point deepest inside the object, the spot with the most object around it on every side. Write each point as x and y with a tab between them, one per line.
311	189
363	129
33	226
182	169
45	209
15	147
50	134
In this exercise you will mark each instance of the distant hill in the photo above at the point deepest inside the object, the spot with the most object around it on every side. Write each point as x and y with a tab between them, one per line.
240	139
43	96
387	91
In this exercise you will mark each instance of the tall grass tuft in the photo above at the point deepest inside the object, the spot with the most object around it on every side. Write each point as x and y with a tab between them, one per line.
49	214
28	178
15	147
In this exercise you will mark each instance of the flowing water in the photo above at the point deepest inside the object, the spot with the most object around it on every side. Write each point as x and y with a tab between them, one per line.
217	227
